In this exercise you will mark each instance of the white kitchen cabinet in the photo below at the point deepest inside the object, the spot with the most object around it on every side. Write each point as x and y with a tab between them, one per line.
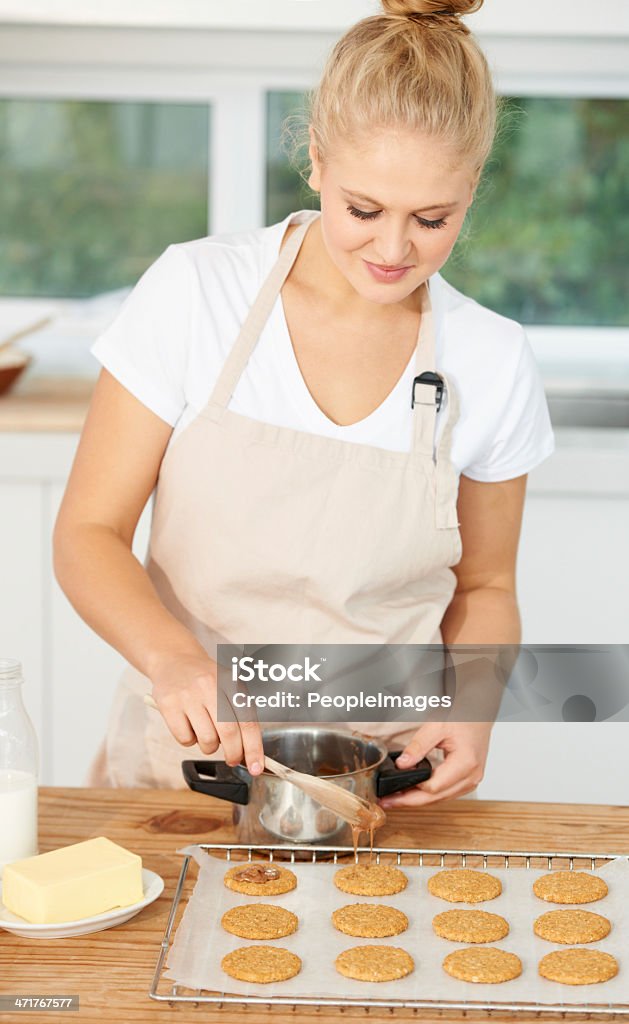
70	672
573	564
83	674
23	591
574	569
573	588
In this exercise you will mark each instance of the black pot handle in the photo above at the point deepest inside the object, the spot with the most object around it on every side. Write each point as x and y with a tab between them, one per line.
391	779
222	782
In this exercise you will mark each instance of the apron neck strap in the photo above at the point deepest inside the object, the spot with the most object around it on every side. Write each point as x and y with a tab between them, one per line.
431	391
238	358
428	387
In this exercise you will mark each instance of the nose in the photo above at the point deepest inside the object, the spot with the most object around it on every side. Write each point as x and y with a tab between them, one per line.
393	243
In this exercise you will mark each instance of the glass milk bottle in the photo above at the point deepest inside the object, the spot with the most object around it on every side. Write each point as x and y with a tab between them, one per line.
18	769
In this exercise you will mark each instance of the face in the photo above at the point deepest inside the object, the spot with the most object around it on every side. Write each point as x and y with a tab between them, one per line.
391	210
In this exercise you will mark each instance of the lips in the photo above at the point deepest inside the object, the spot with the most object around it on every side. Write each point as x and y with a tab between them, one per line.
386	274
379	266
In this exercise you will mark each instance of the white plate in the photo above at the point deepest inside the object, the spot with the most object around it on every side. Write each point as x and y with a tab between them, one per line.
152	885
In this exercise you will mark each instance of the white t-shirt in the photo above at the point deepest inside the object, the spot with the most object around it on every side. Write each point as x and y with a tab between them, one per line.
172	335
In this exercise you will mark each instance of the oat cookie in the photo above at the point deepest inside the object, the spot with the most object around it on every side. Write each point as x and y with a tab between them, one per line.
261	963
570	926
470	926
374	963
487	965
570	887
578	966
369	920
370	879
260	879
464	885
259	921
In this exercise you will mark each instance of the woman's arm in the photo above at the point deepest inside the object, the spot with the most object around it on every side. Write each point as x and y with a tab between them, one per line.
483	611
114	473
484	608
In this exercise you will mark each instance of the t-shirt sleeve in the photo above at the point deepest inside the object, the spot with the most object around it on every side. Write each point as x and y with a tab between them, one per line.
523	435
146	346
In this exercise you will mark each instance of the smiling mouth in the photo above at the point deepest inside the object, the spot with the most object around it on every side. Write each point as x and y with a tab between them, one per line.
379	266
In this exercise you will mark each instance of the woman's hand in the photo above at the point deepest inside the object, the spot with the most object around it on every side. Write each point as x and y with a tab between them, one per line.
185	690
465	745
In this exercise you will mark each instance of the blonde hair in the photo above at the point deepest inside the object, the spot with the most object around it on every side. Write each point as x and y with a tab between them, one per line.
415	67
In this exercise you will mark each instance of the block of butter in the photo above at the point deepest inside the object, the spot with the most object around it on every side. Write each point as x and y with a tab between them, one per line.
73	882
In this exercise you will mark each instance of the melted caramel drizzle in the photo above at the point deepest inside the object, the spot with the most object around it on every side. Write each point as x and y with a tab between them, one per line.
257	873
368	821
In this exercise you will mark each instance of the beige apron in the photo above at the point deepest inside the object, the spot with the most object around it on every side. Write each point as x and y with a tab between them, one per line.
268	535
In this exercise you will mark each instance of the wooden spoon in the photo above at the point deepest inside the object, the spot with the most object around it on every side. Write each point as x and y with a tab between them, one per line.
24	331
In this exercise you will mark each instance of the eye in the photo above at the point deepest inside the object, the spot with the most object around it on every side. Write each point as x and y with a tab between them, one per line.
431	223
363	215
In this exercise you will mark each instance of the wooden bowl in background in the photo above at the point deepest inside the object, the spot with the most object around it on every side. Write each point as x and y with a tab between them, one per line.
12	365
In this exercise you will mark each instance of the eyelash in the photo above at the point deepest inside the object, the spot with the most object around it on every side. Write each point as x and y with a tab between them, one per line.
361	215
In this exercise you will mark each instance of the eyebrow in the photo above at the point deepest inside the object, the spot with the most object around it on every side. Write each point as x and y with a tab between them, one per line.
374	202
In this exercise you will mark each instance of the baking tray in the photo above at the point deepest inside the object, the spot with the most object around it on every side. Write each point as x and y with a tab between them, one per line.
163	991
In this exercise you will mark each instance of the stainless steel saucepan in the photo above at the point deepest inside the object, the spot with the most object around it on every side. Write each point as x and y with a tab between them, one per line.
267	808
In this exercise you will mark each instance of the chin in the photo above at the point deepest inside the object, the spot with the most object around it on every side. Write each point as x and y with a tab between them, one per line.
387	300
386	294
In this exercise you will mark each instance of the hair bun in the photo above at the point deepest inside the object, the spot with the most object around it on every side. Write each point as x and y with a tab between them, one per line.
431	8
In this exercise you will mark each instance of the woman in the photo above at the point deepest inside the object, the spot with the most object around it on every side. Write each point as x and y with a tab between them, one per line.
263	382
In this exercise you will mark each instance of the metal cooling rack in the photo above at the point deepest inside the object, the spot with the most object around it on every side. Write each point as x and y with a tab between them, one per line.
391	855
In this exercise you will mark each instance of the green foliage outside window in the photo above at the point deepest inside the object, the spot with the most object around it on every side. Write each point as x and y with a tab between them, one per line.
546	239
93	192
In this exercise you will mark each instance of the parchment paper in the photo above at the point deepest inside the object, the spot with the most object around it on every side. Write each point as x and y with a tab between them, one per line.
200	942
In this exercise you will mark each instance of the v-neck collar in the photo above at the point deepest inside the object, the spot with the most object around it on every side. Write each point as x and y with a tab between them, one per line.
297	382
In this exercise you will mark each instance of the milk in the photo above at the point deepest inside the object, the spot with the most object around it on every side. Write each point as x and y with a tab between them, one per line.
18	815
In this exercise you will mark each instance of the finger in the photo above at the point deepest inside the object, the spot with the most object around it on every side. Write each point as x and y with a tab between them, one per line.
231	742
180	727
424	740
252	746
206	734
227	728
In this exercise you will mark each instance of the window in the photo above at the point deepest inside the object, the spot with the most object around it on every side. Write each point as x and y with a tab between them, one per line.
545	241
285	189
93	191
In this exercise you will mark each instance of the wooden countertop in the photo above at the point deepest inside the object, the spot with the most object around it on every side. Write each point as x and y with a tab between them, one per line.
112	970
48	404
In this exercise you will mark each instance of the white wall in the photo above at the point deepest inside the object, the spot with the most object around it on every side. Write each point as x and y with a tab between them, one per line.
571	762
561	17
